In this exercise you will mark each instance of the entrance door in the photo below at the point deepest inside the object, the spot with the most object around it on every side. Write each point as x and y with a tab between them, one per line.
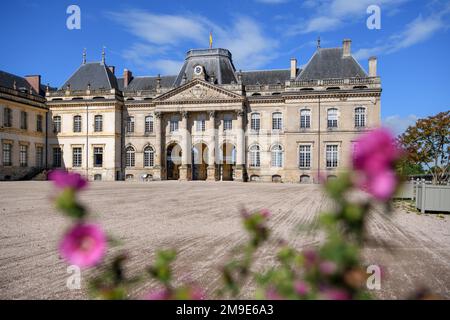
228	161
200	161
173	162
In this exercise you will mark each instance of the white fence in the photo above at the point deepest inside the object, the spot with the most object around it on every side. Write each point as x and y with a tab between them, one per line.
432	198
428	197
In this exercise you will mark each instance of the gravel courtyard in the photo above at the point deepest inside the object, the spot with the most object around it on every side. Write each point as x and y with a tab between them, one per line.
201	221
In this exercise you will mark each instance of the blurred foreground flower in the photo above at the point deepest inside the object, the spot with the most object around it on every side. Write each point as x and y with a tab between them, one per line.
83	245
63	179
374	158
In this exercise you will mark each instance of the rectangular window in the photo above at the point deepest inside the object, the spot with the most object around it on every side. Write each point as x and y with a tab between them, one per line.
332	155
23	120
304	156
7	159
173	124
255	122
39	123
200	124
77	157
227	122
57	157
98	123
98	156
305	119
7	117
77	124
23	156
148	124
277	121
57	124
360	117
130	124
332	118
39	157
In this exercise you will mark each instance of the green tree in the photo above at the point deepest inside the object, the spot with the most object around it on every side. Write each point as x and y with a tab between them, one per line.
427	144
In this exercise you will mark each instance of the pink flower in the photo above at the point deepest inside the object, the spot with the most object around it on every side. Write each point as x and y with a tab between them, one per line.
327	267
83	245
301	288
272	294
159	294
63	179
373	158
335	294
383	185
265	213
197	294
310	256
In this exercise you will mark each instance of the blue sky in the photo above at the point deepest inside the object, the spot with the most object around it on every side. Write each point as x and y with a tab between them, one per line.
151	37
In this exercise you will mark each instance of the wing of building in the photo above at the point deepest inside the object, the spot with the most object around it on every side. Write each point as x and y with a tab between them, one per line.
208	122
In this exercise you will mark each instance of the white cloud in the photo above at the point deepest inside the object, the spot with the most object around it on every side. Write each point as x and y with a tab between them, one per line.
398	124
246	41
160	29
167	66
331	14
162	34
417	31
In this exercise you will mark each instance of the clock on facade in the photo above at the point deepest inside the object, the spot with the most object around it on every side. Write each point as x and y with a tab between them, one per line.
198	70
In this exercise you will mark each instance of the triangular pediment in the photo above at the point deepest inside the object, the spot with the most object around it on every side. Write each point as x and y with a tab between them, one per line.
198	91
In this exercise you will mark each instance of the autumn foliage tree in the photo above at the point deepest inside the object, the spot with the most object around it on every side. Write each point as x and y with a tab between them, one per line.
427	144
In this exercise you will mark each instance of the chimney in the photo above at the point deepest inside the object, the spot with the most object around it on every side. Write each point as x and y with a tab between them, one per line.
112	69
293	68
372	66
127	76
347	43
35	82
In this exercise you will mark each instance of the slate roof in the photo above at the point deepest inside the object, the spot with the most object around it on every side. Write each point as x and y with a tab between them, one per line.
328	63
96	74
265	77
7	81
216	62
146	83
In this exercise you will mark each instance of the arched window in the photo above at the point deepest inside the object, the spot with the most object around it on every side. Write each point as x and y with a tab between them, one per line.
277	121
98	123
277	156
255	156
129	161
97	177
148	124
149	157
255	122
77	124
360	117
304	178
332	118
305	118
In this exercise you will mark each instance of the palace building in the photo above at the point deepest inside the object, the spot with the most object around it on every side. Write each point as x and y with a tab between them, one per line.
208	122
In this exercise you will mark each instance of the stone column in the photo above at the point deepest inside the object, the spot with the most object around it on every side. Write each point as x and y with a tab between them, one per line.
240	146
158	148
186	153
212	147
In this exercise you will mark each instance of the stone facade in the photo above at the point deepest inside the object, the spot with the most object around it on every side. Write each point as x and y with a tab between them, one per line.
23	122
212	122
